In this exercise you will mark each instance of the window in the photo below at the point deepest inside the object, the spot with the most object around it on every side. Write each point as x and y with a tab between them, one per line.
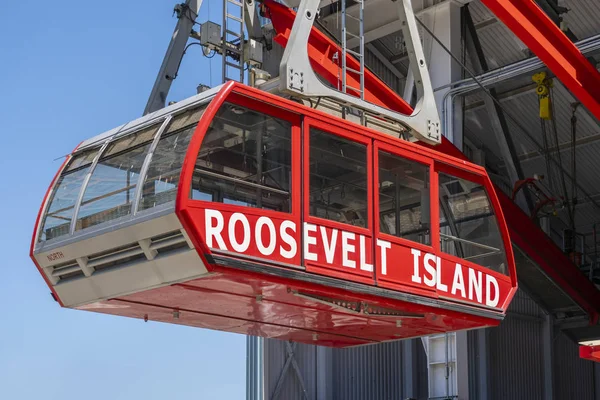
468	226
338	179
162	178
245	159
57	220
111	189
404	198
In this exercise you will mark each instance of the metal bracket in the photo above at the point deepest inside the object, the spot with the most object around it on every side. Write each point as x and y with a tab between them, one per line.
298	77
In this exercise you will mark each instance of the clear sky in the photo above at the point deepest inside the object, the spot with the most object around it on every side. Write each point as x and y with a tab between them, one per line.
68	71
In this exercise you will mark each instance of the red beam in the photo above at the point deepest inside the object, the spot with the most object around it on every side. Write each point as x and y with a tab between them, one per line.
534	28
321	51
523	232
591	353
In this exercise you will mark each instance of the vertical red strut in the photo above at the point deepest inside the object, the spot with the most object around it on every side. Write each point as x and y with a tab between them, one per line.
523	232
534	28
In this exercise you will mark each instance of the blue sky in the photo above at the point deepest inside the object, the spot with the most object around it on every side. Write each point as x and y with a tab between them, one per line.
68	71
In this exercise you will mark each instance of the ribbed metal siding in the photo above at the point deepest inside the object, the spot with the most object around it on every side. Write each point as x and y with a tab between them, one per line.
516	360
275	358
383	72
368	372
573	376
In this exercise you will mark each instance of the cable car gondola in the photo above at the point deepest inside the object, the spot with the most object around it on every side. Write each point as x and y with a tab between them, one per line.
242	211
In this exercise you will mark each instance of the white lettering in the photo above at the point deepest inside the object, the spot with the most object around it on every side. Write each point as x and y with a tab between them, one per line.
440	285
288	239
475	285
242	246
429	267
214	231
329	246
308	240
363	255
458	283
384	246
348	248
268	250
416	278
488	300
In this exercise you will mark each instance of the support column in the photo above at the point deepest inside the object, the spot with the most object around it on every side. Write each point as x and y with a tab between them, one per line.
596	381
462	366
445	22
324	372
483	366
255	368
410	369
548	354
504	140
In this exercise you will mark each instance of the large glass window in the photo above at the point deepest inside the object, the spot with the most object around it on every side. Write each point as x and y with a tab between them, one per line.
162	179
57	220
245	159
404	198
111	189
468	226
338	179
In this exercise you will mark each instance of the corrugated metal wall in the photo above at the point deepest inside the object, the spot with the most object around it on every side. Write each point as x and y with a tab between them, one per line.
515	360
371	372
275	358
574	376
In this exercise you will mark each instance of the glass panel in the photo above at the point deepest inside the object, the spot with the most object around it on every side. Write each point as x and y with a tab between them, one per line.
82	160
59	213
162	179
468	226
111	188
338	179
404	198
131	140
245	159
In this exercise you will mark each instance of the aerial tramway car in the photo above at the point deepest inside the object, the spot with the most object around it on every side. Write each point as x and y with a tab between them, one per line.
242	211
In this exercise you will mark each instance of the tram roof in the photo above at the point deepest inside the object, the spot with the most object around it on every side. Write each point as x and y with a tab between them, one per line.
127	127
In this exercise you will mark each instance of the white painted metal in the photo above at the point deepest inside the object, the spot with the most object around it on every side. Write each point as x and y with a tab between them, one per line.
155	269
441	361
298	78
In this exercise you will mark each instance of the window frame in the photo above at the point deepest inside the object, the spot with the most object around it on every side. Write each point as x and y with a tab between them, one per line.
355	136
295	120
474	177
433	208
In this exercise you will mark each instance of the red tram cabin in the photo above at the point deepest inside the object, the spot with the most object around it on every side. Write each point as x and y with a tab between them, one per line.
241	211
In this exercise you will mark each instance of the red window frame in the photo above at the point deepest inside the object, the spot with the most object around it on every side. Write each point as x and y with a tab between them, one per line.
433	213
340	272
475	177
270	109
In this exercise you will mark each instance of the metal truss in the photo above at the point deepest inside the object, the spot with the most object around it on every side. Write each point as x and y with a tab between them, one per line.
299	78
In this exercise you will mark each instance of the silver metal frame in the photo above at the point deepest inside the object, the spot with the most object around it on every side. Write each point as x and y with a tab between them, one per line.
298	77
103	141
145	165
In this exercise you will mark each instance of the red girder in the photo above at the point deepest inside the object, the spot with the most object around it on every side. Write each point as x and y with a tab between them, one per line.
591	353
524	233
534	28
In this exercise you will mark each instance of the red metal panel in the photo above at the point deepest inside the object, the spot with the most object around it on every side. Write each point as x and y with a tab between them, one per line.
361	239
533	241
591	353
534	28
